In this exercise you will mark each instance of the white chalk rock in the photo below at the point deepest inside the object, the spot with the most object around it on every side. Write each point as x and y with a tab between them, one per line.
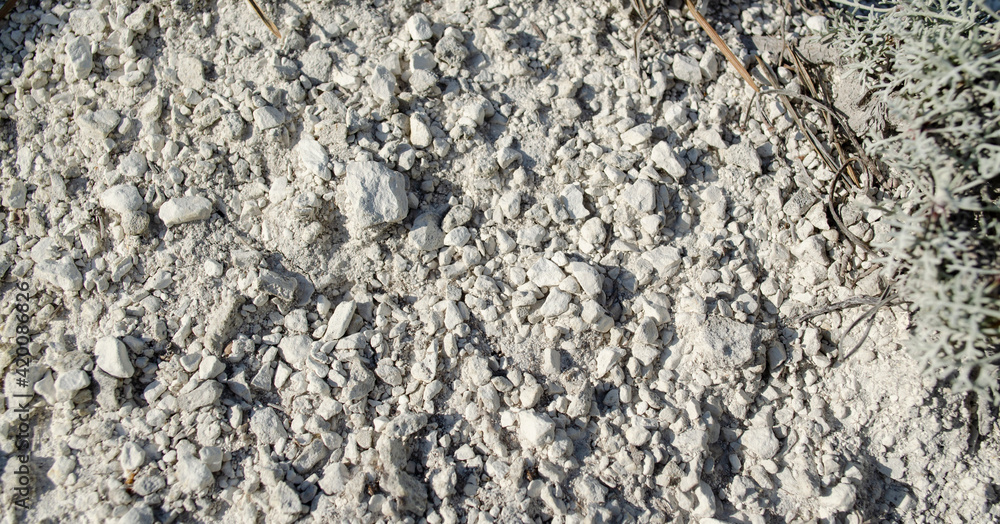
180	210
606	360
686	69
295	350
87	22
556	303
743	155
817	23
419	27
665	259
637	435
760	439
72	381
192	474
61	273
121	199
639	134
534	429
545	273
313	157
589	279
268	117
81	60
725	344
841	498
382	83
426	233
191	72
641	195
112	357
266	425
420	132
132	456
572	199
340	320
376	194
663	157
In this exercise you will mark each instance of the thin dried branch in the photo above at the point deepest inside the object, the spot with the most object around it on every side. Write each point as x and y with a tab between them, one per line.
728	53
836	216
8	6
267	21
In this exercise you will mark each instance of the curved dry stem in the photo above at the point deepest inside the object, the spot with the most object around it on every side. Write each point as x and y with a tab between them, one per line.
833	210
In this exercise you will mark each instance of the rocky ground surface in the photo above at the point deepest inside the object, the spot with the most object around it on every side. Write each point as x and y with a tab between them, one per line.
444	261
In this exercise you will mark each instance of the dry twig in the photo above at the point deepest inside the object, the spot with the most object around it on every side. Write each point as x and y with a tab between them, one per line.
730	56
8	6
267	21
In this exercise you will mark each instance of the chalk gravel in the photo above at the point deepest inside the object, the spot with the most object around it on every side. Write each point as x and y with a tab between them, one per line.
445	262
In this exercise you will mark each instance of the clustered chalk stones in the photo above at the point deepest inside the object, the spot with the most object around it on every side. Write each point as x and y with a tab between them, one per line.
462	264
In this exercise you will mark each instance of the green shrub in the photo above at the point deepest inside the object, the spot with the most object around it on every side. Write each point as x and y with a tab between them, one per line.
935	64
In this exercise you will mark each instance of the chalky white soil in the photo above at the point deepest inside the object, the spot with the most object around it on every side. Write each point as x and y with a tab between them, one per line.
445	261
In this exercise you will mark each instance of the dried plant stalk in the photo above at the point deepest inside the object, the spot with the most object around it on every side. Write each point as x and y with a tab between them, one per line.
267	21
730	56
8	6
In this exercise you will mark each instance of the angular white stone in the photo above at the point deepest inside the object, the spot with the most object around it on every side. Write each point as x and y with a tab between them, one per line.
340	320
266	425
743	155
122	198
572	199
556	303
313	157
295	350
607	359
61	273
419	27
589	279
422	60
112	357
593	231
686	69
192	474
376	194
722	343
72	381
180	210
81	60
665	259
761	442
595	315
545	273
88	22
210	367
841	498
382	83
663	157
534	429
99	123
191	72
641	195
639	134
426	233
268	117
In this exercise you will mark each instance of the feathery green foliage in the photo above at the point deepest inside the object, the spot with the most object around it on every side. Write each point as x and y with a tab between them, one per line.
936	66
